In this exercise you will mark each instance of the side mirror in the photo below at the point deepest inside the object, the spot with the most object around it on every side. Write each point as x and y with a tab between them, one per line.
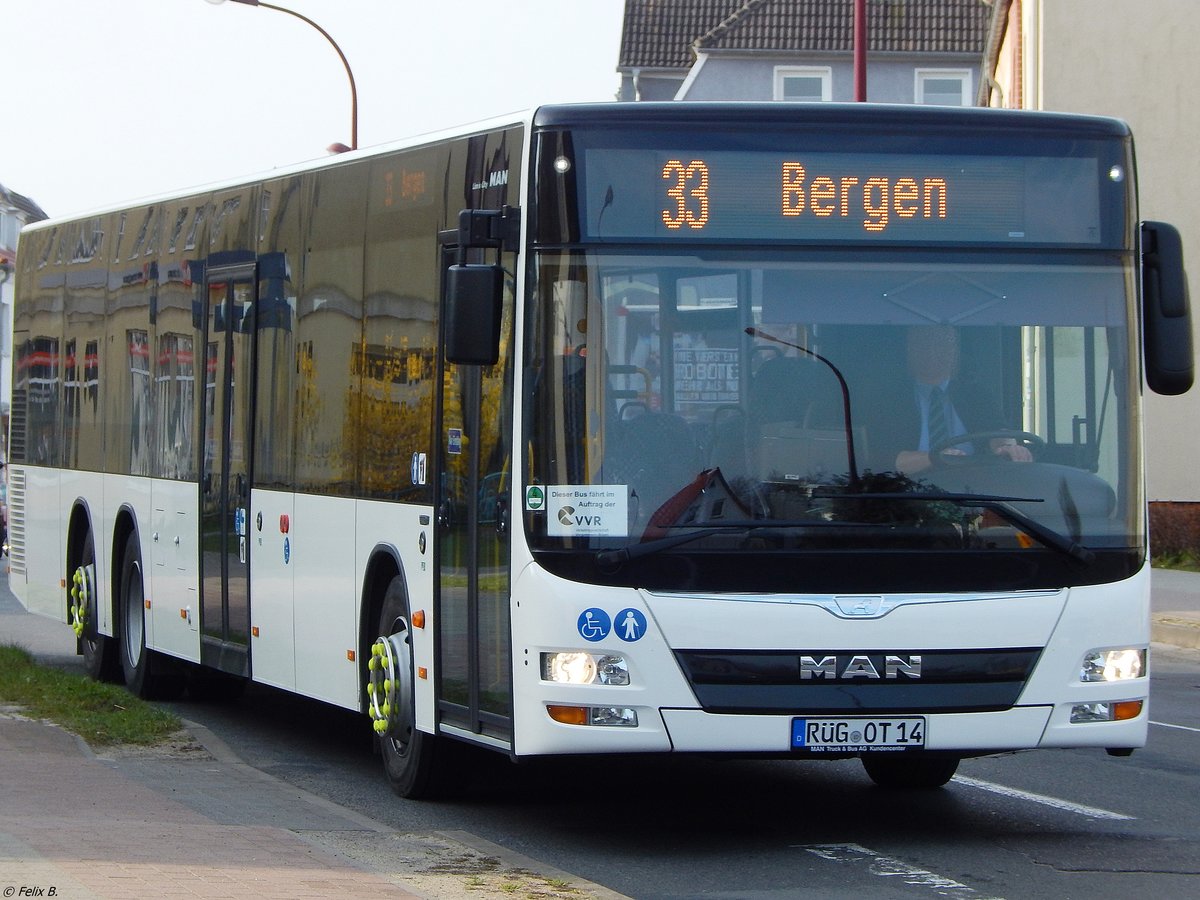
474	303
1166	316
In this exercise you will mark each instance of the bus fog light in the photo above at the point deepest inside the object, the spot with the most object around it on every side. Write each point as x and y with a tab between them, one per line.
1106	712
1113	665
581	667
614	715
1091	712
593	715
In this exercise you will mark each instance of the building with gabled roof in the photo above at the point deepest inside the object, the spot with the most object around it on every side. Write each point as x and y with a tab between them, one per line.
919	51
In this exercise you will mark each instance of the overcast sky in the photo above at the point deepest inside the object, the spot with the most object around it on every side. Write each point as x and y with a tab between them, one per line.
108	101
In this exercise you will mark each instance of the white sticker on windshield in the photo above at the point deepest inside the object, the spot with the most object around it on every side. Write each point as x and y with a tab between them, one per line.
583	510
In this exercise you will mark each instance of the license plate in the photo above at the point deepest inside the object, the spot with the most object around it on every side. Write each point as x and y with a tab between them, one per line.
858	735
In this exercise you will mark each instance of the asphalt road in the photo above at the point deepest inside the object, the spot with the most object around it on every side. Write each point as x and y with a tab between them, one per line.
1057	824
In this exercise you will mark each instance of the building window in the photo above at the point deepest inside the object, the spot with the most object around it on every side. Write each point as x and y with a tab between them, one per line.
10	225
943	87
807	83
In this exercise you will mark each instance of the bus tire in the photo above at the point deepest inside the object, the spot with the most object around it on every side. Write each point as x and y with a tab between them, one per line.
408	754
900	771
101	660
148	674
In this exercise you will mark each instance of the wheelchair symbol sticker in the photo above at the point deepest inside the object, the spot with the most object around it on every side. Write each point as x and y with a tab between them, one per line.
630	625
594	624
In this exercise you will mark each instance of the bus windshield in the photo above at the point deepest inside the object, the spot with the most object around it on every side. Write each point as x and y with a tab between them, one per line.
744	405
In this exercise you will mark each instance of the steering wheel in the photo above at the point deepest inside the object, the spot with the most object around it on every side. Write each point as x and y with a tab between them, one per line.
1035	444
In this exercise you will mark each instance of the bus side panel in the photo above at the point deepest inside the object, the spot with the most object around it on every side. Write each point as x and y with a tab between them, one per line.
326	610
272	589
174	579
399	526
45	525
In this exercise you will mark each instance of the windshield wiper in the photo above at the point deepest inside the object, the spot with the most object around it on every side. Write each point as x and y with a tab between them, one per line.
606	558
1001	505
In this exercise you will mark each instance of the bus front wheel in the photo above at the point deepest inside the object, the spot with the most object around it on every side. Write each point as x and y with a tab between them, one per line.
408	753
903	772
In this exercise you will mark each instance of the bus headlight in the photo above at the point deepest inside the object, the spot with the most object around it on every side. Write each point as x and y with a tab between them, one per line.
1113	665
581	667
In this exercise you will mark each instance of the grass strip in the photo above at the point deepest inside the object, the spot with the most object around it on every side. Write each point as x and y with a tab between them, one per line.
101	714
1185	561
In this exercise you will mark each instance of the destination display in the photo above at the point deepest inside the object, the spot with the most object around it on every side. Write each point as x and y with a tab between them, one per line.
685	195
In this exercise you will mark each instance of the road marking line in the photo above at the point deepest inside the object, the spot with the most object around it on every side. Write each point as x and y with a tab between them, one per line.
1090	811
1180	727
890	867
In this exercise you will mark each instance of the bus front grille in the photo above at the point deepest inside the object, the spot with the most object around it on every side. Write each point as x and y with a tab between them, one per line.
774	682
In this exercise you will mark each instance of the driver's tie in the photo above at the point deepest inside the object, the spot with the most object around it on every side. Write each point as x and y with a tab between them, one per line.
938	432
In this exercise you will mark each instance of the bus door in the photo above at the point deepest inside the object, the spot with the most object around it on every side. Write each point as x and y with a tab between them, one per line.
225	469
473	416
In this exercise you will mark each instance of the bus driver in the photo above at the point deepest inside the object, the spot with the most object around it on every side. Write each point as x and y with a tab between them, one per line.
936	405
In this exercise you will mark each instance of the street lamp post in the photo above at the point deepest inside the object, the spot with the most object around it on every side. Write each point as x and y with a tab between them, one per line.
325	34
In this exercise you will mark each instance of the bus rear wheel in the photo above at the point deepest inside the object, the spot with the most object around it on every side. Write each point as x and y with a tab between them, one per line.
408	753
100	659
148	674
900	771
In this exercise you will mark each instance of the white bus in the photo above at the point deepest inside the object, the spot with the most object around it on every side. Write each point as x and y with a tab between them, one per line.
610	429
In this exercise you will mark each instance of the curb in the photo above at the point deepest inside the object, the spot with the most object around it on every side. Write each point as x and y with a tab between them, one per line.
390	865
1177	629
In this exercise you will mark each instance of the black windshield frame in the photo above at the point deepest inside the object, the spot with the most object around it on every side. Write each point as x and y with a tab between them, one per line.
727	562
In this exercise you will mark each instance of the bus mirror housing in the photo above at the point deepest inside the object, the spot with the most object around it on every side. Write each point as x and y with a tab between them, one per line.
475	291
1166	317
473	310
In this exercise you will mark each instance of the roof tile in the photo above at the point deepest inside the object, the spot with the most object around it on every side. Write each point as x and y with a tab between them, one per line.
661	33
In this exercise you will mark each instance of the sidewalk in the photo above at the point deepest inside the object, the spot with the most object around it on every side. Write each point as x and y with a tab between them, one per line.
1175	608
191	820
